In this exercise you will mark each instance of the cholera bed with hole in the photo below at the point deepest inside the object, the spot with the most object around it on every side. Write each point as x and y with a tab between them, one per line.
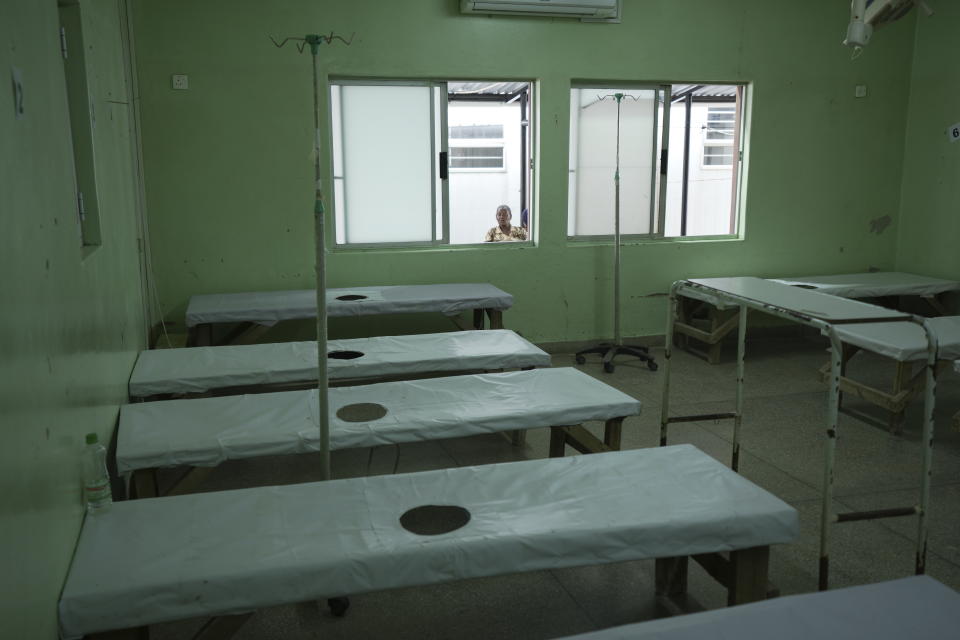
204	432
245	368
917	607
228	553
252	313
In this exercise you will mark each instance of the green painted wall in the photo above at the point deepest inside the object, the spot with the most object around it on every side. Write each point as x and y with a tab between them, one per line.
930	222
229	178
229	189
71	325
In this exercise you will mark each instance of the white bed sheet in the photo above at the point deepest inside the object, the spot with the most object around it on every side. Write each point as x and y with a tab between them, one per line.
207	431
811	303
873	285
905	341
149	561
918	607
200	369
269	307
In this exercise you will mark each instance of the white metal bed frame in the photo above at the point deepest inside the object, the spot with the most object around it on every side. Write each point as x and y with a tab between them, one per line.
733	292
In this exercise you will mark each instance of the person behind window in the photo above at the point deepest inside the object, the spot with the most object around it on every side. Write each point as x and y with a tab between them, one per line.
504	231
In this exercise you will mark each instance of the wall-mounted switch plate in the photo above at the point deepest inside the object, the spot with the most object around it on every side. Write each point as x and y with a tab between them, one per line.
180	82
860	91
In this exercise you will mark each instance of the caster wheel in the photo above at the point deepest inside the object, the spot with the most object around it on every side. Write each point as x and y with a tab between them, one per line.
652	366
608	367
338	606
580	359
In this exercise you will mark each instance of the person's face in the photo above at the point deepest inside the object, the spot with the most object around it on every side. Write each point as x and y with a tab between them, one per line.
503	217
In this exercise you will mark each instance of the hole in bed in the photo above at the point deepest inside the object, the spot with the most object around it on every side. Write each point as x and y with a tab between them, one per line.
345	355
434	519
351	296
362	412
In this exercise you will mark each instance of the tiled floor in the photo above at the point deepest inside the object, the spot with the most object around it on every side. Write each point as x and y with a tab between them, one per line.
783	440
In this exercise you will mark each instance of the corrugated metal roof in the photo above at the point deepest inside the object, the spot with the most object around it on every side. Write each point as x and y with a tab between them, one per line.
707	90
485	88
509	88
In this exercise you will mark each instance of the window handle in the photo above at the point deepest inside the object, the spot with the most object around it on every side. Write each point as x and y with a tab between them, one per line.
444	169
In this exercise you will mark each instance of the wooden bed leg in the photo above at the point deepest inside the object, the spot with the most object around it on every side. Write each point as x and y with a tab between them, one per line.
748	582
496	318
671	576
714	353
903	374
558	442
222	627
478	319
202	335
612	430
145	483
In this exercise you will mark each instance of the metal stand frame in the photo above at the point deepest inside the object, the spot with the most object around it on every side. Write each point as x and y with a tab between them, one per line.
828	516
611	350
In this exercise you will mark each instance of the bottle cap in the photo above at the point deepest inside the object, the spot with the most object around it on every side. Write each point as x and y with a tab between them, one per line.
91	438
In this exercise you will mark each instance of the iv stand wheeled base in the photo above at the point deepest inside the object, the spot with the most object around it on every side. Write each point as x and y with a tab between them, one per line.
611	351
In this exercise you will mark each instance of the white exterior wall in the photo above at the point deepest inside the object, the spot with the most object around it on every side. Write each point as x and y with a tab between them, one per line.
475	194
709	195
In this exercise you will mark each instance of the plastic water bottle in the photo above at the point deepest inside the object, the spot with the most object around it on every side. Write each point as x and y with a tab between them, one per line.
96	480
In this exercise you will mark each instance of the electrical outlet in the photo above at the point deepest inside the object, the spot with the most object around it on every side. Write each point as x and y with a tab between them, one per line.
180	82
860	91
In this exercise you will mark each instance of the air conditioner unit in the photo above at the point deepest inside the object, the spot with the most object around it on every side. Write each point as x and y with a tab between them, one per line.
583	9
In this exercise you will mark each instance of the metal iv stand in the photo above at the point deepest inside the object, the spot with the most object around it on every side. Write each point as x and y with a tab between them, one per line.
610	351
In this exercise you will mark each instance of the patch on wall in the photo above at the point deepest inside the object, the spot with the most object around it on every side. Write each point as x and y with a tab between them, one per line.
879	225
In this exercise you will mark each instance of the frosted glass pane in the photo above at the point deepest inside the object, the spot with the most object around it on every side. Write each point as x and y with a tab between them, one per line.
339	219
437	185
387	164
572	170
678	114
596	138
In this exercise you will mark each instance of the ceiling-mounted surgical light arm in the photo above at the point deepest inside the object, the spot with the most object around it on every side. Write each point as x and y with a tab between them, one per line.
866	15
858	31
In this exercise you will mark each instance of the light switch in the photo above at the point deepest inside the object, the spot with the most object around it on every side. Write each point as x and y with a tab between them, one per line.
180	82
860	91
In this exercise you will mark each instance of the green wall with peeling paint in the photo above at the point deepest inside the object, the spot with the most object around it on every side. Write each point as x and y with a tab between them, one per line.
229	174
929	239
72	324
229	190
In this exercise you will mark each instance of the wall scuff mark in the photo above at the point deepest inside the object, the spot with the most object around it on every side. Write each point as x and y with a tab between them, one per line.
878	225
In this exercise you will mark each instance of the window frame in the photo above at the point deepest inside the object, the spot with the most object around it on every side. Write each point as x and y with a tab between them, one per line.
440	198
719	143
340	214
658	182
81	124
739	144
